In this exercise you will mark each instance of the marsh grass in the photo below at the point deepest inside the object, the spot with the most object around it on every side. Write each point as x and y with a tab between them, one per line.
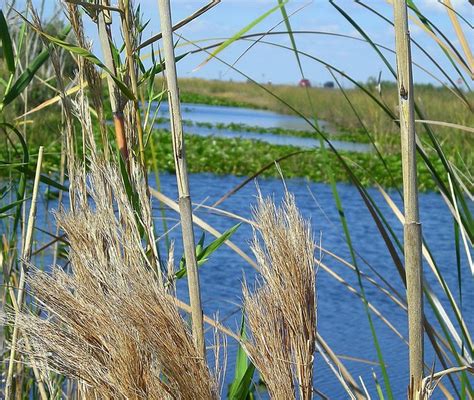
107	325
110	324
330	104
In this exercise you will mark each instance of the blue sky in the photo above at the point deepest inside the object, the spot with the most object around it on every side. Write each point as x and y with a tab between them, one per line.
268	63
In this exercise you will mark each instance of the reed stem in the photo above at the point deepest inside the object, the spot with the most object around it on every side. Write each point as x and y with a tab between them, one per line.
126	26
412	226
103	20
460	34
26	255
182	177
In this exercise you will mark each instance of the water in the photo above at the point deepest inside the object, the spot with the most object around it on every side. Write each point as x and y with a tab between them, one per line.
248	116
342	321
266	119
341	317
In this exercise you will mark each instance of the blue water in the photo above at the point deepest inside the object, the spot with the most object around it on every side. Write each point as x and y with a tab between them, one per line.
248	116
342	321
197	113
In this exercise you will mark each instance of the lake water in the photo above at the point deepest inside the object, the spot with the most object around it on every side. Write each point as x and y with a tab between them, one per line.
248	116
342	320
197	113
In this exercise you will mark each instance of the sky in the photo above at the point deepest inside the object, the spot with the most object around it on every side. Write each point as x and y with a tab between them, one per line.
267	63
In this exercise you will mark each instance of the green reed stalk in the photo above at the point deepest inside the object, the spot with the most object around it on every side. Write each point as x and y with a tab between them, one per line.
182	176
412	226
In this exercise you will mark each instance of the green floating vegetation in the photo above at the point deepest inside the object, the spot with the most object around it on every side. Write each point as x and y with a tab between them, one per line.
244	157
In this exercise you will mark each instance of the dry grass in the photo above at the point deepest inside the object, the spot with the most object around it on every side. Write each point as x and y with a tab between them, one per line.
281	313
110	323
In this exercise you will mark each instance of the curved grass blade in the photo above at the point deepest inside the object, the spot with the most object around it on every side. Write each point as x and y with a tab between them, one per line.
202	224
425	52
20	192
11	205
290	34
24	79
236	188
244	30
448	47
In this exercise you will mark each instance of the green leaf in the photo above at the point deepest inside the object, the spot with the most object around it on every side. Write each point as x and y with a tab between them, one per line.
157	68
290	34
206	252
241	386
25	78
242	389
81	52
6	44
11	205
131	192
202	255
31	174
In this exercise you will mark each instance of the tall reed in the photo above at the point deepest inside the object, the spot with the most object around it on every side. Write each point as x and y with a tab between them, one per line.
179	154
111	325
412	226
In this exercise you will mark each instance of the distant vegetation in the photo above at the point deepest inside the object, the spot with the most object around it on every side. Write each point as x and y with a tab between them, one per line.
331	105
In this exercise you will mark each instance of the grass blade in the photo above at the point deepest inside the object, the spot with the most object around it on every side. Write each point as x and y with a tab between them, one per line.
24	79
244	30
6	44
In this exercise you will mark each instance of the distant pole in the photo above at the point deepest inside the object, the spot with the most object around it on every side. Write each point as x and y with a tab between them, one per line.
185	207
412	226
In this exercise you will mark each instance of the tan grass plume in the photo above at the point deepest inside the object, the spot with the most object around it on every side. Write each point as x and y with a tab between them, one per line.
110	324
281	313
